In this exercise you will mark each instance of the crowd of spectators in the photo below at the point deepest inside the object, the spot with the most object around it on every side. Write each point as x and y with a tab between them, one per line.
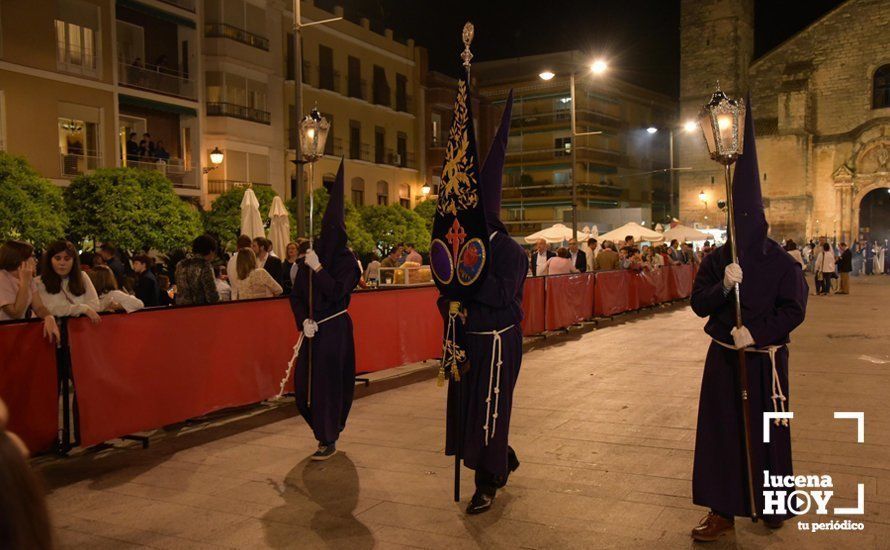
607	256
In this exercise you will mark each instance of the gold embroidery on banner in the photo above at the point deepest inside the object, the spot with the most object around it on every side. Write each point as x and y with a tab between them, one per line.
458	177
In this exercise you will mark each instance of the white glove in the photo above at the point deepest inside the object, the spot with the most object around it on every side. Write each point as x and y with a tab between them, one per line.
732	275
311	260
310	327
742	337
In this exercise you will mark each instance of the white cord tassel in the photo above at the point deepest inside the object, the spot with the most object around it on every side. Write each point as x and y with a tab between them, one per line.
494	381
490	383
290	366
777	397
497	386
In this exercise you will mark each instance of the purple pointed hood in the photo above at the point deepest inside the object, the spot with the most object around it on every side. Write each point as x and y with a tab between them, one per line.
491	175
333	224
750	219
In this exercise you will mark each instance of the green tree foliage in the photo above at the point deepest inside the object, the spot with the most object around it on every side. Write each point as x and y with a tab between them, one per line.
31	207
224	217
360	240
393	224
427	211
135	209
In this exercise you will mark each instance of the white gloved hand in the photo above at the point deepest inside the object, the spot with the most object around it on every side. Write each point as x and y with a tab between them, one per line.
732	275
310	327
742	337
311	260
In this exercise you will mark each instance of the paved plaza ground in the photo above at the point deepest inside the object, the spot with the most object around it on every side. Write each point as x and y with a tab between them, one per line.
604	424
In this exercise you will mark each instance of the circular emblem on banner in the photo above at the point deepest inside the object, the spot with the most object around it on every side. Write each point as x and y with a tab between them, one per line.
472	260
440	261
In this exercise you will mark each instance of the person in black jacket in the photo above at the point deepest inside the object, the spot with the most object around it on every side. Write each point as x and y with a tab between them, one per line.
540	256
146	288
262	247
844	267
579	257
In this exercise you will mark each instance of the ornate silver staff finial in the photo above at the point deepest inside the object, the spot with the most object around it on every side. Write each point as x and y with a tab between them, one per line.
467	35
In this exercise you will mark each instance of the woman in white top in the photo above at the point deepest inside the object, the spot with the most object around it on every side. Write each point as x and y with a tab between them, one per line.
64	289
825	268
254	282
561	263
18	289
110	298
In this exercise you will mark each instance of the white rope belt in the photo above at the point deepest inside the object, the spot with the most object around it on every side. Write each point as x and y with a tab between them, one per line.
293	360
778	396
493	383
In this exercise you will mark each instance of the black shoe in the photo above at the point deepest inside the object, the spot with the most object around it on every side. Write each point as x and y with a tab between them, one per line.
324	452
512	465
481	502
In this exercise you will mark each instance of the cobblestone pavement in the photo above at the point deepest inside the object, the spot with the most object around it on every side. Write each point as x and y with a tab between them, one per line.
604	425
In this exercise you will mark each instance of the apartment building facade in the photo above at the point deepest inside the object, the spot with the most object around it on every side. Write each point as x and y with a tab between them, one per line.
623	174
159	84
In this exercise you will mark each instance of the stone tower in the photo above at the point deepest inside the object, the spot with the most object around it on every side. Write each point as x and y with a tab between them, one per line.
716	43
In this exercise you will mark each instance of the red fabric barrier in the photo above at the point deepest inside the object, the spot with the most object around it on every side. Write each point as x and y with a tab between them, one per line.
566	302
533	306
645	287
680	281
28	383
661	278
613	293
152	368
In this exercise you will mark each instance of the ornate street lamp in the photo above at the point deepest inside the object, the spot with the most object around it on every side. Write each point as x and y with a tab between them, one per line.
722	121
314	130
216	158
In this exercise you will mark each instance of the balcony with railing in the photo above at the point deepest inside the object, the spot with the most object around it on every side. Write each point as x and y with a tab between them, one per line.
360	151
218	187
238	111
562	155
224	30
187	5
404	103
173	169
73	165
395	158
538	190
154	78
543	119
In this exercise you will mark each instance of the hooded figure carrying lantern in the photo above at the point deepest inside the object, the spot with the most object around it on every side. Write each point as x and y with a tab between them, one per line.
480	272
773	303
324	380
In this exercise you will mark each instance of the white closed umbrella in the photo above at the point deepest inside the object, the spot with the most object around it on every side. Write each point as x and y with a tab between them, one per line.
635	230
556	234
685	234
251	220
279	228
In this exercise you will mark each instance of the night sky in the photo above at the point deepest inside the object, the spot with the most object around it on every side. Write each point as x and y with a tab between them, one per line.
639	37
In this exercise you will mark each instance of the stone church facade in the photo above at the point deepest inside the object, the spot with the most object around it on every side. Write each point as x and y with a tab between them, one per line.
821	105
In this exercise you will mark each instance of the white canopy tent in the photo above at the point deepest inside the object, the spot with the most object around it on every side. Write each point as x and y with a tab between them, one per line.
279	229
685	234
557	234
635	230
251	220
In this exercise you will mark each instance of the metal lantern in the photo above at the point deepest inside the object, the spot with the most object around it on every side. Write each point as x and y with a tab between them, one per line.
313	134
216	156
722	121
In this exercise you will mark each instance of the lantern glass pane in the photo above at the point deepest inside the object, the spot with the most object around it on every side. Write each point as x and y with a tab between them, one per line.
705	123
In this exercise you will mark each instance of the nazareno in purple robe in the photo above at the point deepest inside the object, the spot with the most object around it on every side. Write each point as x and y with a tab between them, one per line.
774	297
333	349
496	306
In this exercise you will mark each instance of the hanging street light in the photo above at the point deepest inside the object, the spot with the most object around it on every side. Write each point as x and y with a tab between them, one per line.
216	158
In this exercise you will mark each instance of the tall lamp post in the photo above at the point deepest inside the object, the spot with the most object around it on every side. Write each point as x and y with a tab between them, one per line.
298	108
313	134
722	121
598	67
688	127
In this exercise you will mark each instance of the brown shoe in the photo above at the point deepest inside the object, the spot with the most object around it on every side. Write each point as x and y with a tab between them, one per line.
712	527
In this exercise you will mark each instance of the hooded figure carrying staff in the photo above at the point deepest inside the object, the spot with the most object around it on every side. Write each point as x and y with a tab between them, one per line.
773	303
324	380
480	272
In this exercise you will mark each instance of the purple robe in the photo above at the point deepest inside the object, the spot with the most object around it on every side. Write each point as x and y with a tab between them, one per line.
333	349
495	307
774	296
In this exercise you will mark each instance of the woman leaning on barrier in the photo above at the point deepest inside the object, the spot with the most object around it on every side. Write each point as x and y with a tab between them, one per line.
64	289
18	288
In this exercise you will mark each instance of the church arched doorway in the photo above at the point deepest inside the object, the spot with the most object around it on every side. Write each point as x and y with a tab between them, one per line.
874	215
